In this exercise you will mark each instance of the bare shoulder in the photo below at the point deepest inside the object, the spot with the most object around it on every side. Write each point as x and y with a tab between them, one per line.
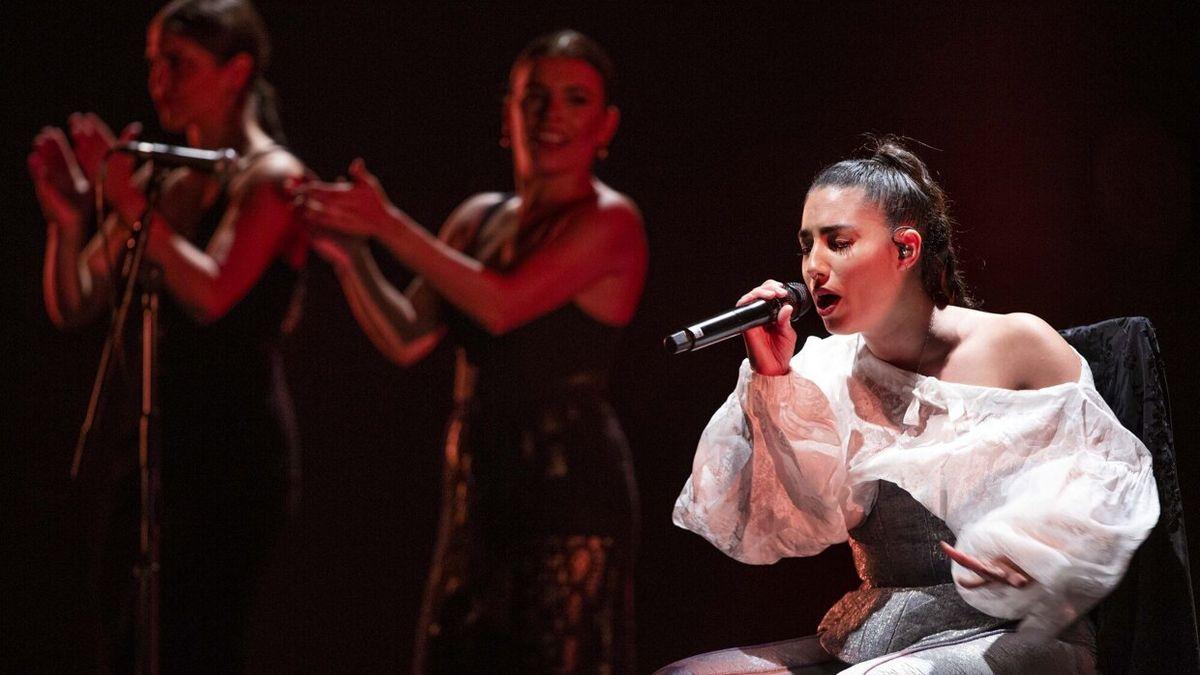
466	218
615	207
1032	354
269	169
472	208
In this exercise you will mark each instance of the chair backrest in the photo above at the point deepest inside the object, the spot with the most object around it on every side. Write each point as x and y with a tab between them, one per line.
1148	624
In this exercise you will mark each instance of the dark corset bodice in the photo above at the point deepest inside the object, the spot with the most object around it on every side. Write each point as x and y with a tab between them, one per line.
907	595
897	544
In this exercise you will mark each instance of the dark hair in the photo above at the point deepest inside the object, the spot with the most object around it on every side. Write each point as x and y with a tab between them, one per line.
570	44
226	28
899	183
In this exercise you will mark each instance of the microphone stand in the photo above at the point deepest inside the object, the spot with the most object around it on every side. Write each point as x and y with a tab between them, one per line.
149	432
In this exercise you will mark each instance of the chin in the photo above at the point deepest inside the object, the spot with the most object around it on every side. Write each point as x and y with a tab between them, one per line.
169	123
839	325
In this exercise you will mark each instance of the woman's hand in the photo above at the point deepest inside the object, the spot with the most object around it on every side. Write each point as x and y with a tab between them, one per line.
93	141
358	208
771	346
1000	570
62	190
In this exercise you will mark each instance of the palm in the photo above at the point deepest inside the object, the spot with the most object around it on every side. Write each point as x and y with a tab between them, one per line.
62	189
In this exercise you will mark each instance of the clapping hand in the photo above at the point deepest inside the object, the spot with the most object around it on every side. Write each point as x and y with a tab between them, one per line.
355	208
62	188
93	141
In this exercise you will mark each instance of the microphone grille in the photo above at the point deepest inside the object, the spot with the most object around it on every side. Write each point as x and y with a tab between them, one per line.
799	298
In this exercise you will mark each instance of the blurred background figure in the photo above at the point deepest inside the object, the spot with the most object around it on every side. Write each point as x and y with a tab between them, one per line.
230	255
533	565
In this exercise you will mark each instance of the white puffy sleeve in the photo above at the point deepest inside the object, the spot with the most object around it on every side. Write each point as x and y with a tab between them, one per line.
769	477
1069	503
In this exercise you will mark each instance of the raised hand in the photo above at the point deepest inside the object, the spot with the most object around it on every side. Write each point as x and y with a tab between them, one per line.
62	189
93	140
356	208
770	347
1000	570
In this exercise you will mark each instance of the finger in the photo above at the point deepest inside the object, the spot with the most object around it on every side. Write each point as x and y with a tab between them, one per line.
785	315
321	189
760	293
973	564
100	128
131	131
972	583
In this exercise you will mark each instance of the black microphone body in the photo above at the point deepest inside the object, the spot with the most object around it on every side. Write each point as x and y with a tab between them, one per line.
737	321
215	161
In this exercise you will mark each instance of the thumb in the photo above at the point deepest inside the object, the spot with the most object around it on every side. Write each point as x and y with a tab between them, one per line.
360	176
130	132
358	171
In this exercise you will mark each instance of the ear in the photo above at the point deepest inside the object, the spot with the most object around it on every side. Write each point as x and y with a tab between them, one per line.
908	246
612	119
238	71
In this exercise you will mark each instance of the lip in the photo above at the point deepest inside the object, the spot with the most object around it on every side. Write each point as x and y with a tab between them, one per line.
550	137
824	310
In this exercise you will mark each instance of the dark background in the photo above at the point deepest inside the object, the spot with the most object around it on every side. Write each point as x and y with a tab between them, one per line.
1066	137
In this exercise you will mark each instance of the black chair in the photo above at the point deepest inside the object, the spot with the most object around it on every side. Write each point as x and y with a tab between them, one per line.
1148	624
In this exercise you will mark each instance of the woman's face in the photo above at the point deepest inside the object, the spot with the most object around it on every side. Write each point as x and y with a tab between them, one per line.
556	115
186	83
850	262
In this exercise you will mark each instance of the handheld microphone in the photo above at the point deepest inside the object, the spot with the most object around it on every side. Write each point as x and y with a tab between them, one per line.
215	161
737	321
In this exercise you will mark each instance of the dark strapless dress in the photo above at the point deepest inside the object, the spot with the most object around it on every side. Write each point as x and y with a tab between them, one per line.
533	565
229	469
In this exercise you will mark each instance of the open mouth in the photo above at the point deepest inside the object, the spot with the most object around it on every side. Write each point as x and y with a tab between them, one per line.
826	301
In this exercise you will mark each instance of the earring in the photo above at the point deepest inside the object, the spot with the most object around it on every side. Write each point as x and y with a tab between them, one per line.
602	153
905	251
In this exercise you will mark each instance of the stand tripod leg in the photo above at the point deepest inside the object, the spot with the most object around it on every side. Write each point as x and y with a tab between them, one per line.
148	464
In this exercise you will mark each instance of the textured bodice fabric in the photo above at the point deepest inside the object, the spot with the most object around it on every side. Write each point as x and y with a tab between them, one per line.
907	595
1047	478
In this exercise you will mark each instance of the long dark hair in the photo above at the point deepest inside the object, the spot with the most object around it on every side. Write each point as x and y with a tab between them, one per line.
899	183
226	28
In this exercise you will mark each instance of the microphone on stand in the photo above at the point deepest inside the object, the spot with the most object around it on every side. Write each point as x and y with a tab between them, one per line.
737	321
214	161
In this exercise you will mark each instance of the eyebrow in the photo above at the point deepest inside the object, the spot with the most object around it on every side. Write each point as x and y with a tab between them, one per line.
826	229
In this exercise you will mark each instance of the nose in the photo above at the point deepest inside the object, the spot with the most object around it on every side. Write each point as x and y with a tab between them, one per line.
815	267
555	107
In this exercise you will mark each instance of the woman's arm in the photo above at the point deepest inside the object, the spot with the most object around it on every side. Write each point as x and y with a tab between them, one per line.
402	326
256	229
407	326
769	479
598	242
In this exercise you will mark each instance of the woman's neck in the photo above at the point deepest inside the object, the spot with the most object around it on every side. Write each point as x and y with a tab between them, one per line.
912	337
240	130
543	194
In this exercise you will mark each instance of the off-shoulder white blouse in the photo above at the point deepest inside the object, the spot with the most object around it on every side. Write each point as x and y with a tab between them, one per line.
1047	477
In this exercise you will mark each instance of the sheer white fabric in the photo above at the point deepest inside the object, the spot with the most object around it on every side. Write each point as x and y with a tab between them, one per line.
1048	478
